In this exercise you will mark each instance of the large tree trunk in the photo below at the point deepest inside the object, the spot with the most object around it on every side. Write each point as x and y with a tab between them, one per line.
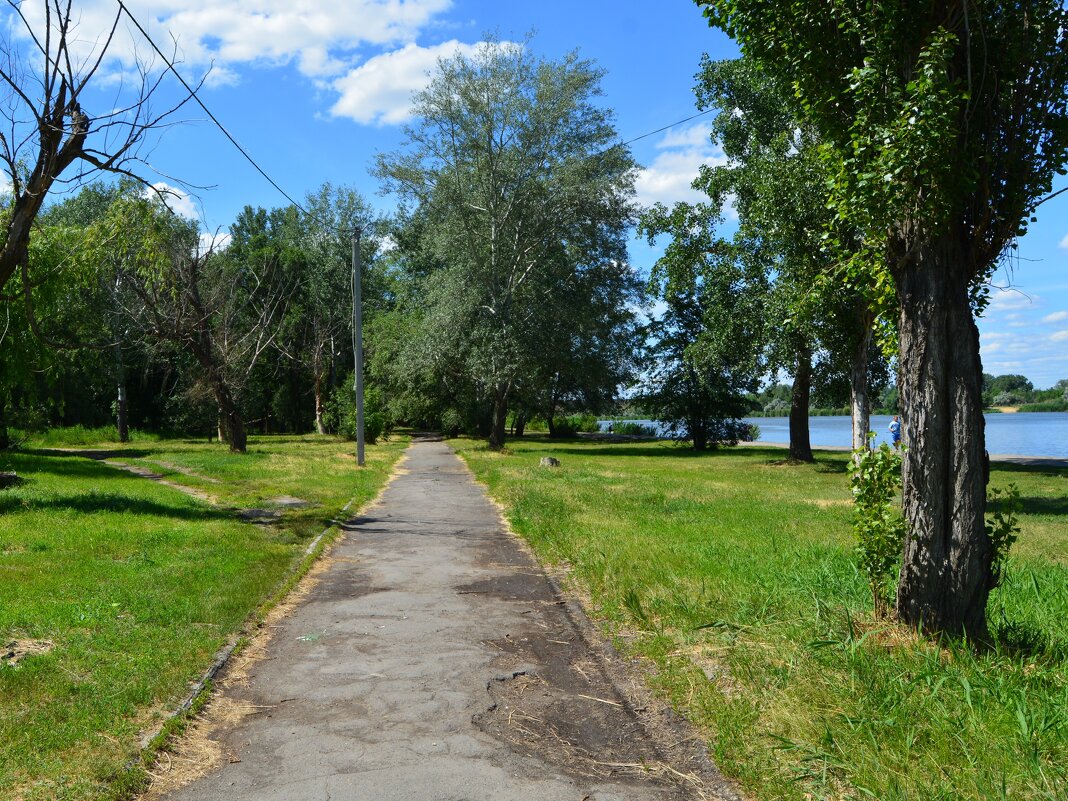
858	378
800	443
699	434
232	420
946	575
520	424
500	419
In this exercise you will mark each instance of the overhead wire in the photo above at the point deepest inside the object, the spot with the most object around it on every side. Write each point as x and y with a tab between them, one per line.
193	94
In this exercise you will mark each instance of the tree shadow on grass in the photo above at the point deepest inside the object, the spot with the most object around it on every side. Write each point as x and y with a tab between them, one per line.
94	502
96	454
1044	468
1023	639
1038	505
63	464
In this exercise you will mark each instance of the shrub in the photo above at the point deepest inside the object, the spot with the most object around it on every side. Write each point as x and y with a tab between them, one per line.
1007	399
342	412
777	408
1046	406
569	426
632	429
1003	508
875	478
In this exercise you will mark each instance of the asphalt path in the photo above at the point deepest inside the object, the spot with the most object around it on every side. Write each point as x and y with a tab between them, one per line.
434	660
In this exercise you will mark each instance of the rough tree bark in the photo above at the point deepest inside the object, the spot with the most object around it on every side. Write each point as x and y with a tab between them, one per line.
231	419
946	576
800	443
500	418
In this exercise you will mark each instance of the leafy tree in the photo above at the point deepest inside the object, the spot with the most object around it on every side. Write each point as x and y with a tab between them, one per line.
324	298
943	125
1014	388
517	189
707	347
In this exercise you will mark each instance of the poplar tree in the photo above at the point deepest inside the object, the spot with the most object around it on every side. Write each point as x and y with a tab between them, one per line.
943	126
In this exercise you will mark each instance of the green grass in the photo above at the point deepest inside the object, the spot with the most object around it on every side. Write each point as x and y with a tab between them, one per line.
137	586
78	436
733	573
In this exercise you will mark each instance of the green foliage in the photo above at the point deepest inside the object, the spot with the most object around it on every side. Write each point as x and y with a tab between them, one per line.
342	412
1047	406
875	480
1003	508
629	428
519	201
909	101
574	424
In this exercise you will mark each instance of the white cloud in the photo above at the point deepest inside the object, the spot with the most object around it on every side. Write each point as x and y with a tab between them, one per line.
177	200
220	240
1059	336
1064	242
320	36
1002	300
683	150
1056	317
380	90
690	137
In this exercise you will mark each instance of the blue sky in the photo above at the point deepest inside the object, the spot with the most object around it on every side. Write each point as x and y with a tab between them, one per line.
314	88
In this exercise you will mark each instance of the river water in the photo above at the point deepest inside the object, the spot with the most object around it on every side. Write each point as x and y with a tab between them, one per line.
1027	434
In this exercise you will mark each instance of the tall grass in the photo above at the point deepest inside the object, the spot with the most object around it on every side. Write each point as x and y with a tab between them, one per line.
733	574
80	436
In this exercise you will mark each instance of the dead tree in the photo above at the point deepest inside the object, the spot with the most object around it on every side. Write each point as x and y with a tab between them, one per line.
46	136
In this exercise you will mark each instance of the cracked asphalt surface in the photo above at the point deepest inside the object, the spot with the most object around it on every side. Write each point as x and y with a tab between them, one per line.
434	660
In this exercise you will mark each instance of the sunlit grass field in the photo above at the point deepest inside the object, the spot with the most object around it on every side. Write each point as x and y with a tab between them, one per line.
732	573
134	586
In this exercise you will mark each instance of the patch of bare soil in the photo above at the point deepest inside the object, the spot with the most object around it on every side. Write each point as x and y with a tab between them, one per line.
185	471
15	651
827	503
564	696
144	472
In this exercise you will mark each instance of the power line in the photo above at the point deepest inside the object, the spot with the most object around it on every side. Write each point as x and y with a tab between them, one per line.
193	93
665	128
214	119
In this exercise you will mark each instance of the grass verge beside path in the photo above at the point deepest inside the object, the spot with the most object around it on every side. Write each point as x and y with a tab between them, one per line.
732	573
129	588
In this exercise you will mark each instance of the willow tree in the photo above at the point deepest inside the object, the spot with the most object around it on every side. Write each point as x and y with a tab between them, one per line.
943	126
510	165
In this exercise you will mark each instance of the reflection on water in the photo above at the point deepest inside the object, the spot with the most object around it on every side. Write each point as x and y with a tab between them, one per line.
1035	434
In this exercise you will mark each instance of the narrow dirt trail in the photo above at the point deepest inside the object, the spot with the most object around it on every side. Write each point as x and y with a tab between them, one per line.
433	659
